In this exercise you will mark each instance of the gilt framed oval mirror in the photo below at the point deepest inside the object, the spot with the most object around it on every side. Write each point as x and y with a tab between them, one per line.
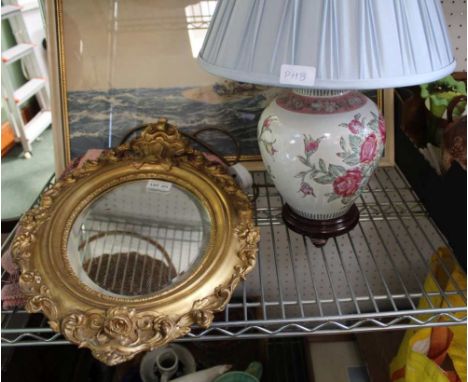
125	253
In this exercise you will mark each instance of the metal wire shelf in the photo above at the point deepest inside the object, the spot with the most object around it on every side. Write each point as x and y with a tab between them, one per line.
367	280
108	236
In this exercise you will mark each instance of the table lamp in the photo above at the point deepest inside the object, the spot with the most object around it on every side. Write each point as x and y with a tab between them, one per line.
321	139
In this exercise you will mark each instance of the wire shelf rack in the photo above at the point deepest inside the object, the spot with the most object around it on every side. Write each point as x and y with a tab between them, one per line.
367	280
173	248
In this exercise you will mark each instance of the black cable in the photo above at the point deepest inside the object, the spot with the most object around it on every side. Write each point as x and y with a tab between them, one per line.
202	143
197	140
131	132
210	148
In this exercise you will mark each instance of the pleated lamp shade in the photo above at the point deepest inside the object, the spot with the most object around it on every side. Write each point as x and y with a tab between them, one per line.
350	44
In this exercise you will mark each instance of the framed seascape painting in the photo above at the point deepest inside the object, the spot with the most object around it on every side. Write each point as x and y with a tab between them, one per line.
118	64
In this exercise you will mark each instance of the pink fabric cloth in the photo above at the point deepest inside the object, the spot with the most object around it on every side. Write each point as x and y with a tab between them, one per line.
11	294
8	264
12	297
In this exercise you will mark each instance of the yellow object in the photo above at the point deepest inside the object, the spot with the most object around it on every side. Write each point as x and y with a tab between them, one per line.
116	326
423	351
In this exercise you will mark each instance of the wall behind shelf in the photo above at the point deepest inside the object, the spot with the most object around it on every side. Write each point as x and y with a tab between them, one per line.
455	16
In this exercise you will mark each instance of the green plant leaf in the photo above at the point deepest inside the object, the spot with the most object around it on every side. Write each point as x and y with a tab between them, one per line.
355	143
333	197
374	123
326	179
336	170
342	144
322	165
303	160
314	172
352	160
301	174
447	84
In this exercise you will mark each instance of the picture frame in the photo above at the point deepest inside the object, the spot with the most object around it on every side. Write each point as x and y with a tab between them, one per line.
89	113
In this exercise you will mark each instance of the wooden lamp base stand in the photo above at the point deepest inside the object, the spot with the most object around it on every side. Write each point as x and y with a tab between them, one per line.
319	231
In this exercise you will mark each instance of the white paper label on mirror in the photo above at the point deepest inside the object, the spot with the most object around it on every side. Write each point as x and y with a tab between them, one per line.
297	75
158	185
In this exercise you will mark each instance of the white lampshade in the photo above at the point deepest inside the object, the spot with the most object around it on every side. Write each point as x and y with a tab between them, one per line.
352	44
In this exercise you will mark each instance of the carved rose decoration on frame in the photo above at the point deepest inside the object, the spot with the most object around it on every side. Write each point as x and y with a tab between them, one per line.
117	327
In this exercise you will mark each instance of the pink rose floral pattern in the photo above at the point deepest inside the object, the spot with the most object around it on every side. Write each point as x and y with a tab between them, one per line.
368	149
358	153
344	182
306	189
355	125
362	146
311	145
348	184
267	144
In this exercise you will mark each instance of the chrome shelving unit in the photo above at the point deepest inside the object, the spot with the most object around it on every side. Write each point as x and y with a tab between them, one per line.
367	280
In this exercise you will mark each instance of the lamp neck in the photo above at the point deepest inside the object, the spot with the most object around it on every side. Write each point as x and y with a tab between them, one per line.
319	92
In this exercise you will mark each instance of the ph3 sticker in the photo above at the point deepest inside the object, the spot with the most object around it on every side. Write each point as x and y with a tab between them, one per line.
297	75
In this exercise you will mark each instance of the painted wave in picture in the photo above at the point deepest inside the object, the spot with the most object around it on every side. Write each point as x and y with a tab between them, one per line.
100	119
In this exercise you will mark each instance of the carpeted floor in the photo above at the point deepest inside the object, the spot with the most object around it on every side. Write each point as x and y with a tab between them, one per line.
23	179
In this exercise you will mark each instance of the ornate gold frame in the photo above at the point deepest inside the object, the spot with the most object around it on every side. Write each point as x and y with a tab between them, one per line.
117	328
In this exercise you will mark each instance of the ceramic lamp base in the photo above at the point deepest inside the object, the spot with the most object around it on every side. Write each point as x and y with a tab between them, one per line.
320	148
319	231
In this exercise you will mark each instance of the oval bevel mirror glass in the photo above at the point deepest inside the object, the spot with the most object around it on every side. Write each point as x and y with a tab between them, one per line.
139	238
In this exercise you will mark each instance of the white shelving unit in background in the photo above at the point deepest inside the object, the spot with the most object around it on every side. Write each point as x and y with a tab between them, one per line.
36	86
455	17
